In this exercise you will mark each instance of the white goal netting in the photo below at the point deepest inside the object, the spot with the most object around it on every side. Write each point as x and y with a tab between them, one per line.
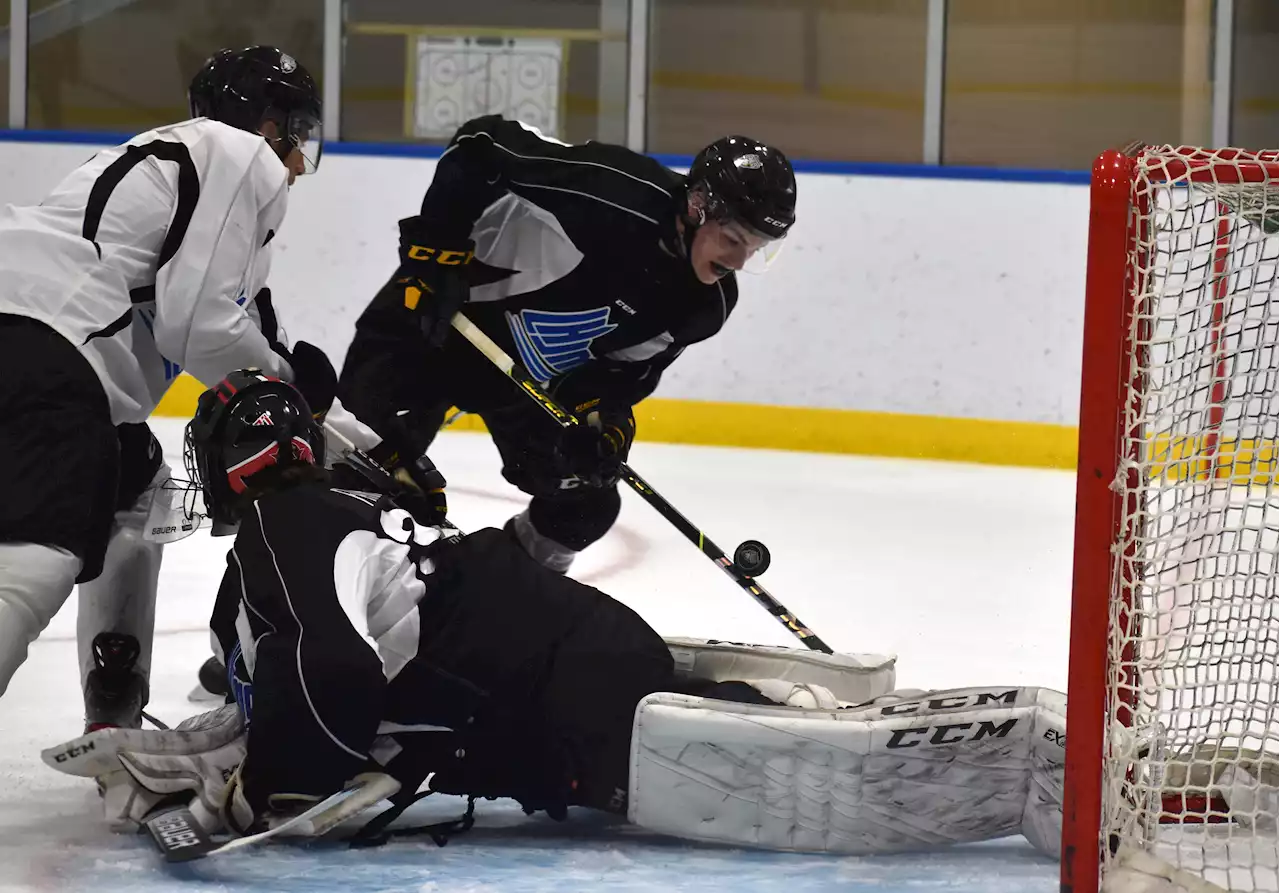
1193	730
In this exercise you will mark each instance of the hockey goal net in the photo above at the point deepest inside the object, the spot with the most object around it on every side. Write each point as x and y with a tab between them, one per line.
1172	728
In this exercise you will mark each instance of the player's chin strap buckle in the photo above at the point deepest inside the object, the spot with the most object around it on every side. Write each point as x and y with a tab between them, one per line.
375	833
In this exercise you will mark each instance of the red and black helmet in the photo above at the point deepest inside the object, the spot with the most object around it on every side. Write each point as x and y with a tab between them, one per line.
246	423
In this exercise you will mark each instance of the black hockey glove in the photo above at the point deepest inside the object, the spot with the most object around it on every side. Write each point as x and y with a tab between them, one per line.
417	487
419	484
313	375
594	449
423	491
433	274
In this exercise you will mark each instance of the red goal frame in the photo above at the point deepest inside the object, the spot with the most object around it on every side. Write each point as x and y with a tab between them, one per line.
1115	231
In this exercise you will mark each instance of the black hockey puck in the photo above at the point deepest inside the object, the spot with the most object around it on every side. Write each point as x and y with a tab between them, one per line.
752	558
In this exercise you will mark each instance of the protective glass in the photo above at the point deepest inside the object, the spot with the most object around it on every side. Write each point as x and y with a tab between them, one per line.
744	248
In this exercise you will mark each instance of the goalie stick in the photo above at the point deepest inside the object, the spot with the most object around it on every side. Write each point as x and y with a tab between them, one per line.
180	838
692	533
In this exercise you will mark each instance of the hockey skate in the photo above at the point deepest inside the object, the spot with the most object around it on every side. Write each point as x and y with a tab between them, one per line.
115	692
212	687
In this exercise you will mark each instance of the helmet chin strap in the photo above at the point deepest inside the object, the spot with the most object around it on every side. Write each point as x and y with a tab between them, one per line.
689	229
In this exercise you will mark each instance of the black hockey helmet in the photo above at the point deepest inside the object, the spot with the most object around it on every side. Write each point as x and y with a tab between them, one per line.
744	181
246	423
244	88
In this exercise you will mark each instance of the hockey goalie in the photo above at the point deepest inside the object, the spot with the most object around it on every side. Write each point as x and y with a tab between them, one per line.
371	647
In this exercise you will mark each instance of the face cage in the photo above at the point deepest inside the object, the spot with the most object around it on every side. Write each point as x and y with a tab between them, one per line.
215	507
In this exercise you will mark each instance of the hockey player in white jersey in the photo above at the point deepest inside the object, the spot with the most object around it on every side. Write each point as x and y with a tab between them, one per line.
149	259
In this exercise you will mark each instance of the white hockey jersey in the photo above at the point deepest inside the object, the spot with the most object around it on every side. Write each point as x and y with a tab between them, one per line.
148	257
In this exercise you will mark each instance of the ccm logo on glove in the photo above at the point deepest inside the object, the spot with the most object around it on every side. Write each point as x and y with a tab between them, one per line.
449	257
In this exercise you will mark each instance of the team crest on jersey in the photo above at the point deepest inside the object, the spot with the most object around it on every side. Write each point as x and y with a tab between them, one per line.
550	343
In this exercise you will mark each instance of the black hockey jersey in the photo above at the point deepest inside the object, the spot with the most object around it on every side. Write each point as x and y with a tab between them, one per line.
359	639
318	609
578	260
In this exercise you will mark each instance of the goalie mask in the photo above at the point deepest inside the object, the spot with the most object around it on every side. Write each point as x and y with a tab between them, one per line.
748	188
247	423
244	88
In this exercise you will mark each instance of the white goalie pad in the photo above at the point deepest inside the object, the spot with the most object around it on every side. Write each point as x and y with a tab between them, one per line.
904	773
854	678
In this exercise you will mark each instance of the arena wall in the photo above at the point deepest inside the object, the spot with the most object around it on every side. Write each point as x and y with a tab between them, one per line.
921	312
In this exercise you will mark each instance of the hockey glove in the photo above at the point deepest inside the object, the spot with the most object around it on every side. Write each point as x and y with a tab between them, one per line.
313	375
418	484
423	491
433	275
594	449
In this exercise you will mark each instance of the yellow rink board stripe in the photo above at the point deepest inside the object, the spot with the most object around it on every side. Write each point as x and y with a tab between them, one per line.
812	430
887	434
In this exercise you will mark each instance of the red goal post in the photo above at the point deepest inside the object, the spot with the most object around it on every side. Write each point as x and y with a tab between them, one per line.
1119	656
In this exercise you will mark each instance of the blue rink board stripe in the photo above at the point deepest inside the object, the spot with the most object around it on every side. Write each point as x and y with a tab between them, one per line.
804	166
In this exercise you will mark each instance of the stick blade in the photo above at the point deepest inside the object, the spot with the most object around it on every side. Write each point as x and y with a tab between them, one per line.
178	835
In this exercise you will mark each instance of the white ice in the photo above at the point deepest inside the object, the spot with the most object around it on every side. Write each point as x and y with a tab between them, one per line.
963	571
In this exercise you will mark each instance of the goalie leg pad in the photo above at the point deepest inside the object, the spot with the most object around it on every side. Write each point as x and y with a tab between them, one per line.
853	678
949	767
139	767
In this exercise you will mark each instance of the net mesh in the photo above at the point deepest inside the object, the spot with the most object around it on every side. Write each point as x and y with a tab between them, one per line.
1190	762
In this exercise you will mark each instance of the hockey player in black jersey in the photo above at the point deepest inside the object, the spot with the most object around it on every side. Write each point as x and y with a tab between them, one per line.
596	267
148	259
374	648
345	617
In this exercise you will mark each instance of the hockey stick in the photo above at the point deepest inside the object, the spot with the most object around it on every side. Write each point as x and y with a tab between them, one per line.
360	460
180	838
535	391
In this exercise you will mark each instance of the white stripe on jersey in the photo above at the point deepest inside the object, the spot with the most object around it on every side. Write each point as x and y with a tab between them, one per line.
646	350
603	201
392	728
379	589
513	233
534	130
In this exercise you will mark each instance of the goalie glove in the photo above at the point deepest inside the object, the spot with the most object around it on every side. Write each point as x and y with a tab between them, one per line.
433	276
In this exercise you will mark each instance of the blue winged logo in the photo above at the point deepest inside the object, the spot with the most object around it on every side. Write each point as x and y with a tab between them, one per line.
550	343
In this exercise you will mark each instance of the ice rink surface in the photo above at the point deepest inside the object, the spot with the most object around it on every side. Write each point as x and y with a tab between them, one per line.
962	571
